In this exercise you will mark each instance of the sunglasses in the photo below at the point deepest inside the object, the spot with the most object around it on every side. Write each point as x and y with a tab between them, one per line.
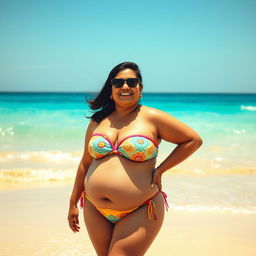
118	83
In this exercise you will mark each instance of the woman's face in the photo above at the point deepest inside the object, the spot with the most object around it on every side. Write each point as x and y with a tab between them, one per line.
126	95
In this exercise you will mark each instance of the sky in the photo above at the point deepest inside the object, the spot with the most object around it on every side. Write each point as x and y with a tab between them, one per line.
180	46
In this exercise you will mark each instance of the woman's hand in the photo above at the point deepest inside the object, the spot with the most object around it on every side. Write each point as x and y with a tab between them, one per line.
156	179
73	218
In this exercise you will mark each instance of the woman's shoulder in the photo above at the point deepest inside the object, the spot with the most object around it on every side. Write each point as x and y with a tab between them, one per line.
92	125
153	112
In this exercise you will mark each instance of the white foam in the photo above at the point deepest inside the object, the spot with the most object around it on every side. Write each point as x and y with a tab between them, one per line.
6	131
41	156
249	108
29	175
239	131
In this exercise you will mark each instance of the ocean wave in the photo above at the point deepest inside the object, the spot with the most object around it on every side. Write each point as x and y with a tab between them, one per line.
40	156
24	175
60	160
30	175
249	108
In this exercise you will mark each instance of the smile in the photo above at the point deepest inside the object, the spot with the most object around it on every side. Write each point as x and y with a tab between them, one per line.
126	94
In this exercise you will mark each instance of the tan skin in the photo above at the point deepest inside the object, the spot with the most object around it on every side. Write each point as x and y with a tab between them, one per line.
115	182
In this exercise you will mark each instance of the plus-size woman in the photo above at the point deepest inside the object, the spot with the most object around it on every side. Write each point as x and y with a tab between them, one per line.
117	180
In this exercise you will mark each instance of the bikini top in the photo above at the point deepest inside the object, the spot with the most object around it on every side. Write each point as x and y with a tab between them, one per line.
138	148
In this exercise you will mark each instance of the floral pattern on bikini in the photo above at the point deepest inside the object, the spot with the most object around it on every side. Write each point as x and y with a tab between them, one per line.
138	148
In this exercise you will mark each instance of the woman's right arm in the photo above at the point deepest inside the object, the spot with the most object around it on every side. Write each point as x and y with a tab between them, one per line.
78	187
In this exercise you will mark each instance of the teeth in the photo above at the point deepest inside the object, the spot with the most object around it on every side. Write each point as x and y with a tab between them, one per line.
125	94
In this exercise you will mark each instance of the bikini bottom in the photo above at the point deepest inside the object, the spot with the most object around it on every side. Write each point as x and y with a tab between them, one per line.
115	215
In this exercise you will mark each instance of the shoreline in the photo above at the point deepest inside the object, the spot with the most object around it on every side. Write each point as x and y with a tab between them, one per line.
17	178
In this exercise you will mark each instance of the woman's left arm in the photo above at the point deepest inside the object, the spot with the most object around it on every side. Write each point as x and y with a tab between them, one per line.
172	130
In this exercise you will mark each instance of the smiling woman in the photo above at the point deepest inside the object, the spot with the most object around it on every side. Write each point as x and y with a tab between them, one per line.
126	88
117	179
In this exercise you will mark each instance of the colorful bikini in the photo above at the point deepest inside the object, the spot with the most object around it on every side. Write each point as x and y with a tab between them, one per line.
138	148
115	215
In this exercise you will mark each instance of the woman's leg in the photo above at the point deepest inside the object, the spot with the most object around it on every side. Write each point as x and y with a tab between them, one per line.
98	227
133	234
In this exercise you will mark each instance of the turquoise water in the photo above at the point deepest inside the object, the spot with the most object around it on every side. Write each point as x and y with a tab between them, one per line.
42	137
47	122
56	121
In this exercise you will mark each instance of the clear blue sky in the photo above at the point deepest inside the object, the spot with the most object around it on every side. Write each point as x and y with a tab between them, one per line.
180	46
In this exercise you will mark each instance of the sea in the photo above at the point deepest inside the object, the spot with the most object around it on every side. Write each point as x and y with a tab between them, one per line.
42	140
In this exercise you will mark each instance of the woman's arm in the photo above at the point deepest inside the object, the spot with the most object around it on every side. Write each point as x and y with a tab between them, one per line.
172	130
78	187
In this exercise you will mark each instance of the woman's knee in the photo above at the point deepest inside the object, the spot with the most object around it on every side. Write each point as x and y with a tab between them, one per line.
119	252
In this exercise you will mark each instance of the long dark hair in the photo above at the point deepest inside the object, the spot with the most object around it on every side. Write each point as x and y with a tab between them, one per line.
102	101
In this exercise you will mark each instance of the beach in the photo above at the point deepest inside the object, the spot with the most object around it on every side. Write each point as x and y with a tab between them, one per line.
212	195
33	221
63	61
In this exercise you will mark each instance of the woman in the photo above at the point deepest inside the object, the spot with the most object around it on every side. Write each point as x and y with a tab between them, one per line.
121	187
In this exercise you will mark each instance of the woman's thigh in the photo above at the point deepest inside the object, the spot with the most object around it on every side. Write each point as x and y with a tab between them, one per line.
134	233
98	227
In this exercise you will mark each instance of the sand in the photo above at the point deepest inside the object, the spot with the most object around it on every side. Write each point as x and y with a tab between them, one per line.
33	222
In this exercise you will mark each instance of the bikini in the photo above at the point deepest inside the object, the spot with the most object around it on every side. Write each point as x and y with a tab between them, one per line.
137	148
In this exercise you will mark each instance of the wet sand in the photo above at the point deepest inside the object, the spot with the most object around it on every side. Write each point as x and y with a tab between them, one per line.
33	222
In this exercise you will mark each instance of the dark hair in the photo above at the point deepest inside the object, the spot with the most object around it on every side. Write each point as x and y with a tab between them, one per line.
102	101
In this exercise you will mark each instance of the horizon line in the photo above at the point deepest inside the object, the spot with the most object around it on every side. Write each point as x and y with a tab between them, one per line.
84	92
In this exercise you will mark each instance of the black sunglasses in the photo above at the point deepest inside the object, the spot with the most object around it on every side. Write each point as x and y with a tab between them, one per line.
118	83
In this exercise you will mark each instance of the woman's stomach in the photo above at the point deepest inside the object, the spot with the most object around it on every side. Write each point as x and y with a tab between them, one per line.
117	183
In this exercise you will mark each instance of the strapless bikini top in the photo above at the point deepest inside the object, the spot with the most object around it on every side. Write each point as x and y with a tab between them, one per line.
138	148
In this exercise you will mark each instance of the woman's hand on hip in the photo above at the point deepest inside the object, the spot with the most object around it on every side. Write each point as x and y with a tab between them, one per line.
156	179
73	220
